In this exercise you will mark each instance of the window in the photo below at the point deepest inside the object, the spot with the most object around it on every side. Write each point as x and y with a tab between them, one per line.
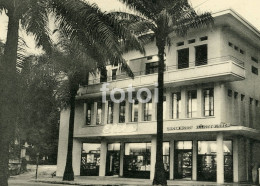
99	113
256	103
88	113
110	112
229	93
208	102
236	48
241	51
251	101
235	95
114	74
103	74
148	111
149	57
183	58
134	111
151	68
176	105
201	53
254	70
191	41
230	44
254	59
192	103
210	147
183	145
204	38
242	97
122	112
180	43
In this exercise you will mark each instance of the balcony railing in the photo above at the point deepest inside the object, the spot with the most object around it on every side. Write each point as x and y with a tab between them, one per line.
171	68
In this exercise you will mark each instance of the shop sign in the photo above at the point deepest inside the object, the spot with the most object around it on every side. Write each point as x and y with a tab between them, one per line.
119	128
200	126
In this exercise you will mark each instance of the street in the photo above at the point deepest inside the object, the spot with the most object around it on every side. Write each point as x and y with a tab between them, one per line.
15	182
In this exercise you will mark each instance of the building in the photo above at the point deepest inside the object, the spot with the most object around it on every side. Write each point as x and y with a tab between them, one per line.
211	115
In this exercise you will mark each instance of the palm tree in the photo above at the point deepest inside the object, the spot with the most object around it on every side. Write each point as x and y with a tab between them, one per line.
79	21
162	18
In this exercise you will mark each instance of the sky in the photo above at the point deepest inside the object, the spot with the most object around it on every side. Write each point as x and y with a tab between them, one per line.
249	9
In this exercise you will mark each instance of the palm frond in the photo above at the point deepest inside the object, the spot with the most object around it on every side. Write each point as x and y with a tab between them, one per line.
35	21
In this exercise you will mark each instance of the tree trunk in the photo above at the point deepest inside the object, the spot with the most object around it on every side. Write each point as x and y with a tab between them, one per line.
69	173
8	97
159	175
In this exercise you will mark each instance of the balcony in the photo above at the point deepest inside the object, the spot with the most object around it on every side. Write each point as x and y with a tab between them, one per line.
225	68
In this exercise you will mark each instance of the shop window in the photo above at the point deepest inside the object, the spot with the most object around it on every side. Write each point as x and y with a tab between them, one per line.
151	68
147	111
114	71
134	111
88	113
183	145
113	159
183	58
201	53
110	112
254	70
99	113
192	103
204	38
176	105
90	159
122	112
208	102
166	156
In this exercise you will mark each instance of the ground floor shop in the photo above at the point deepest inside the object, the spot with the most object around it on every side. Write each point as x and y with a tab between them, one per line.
215	157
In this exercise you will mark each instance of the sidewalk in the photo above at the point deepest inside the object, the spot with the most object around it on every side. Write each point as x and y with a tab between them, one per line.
93	180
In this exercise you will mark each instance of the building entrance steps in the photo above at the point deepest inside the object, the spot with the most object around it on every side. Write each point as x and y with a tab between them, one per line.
117	181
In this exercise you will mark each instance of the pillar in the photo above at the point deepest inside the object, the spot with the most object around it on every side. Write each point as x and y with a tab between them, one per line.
127	111
220	159
94	114
104	112
76	156
219	102
183	113
154	109
168	105
122	153
103	156
116	113
171	159
200	102
140	112
235	159
153	157
85	113
194	159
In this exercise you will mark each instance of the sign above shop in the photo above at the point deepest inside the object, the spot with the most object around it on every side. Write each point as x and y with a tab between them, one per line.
119	128
200	126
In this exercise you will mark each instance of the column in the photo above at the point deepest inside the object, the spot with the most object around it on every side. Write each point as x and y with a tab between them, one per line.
103	156
154	108
127	111
122	153
200	102
171	159
220	158
194	159
235	159
94	114
104	112
153	157
116	113
183	113
85	113
168	105
220	102
63	141
76	156
140	112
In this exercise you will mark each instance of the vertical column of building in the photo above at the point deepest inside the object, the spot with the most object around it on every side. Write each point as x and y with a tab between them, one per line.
235	159
219	102
220	158
76	156
194	159
85	113
63	141
140	112
171	159
94	114
247	112
104	112
184	103
103	156
248	160
127	111
122	153
200	102
116	113
154	107
192	56
153	157
168	105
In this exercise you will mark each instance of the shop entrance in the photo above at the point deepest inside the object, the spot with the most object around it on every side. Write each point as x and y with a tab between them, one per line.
183	160
113	159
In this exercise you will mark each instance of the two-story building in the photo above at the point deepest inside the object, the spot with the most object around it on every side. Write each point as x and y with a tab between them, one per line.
211	110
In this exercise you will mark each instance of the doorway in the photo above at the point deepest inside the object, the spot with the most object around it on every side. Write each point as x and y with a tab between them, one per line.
113	163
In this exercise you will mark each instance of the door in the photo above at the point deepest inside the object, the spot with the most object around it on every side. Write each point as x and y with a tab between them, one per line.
113	163
183	164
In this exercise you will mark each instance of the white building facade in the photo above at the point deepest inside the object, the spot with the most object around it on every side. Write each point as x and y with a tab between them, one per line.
211	110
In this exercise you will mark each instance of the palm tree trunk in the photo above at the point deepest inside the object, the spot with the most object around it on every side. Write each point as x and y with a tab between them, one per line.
159	176
69	173
8	95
